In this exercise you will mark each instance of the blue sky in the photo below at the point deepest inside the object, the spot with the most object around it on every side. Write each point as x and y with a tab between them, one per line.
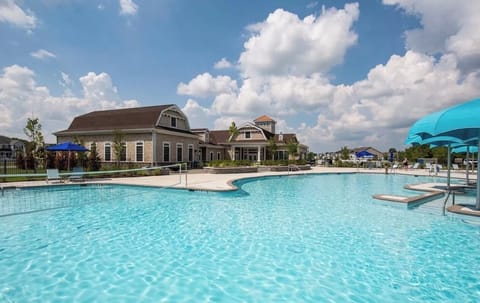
337	73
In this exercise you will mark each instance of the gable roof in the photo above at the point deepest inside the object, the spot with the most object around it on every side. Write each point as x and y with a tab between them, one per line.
263	118
116	119
219	136
287	138
4	140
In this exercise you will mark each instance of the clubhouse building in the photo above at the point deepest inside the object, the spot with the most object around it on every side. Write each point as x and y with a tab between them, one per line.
157	135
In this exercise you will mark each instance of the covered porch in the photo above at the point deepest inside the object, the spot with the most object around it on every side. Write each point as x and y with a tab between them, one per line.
249	152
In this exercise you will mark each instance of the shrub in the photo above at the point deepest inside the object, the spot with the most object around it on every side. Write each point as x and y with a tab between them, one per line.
230	163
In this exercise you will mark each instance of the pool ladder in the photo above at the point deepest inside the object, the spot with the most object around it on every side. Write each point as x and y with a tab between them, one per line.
451	191
292	168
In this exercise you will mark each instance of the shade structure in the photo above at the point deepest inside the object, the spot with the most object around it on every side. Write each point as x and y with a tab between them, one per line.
364	154
459	121
68	146
424	128
465	148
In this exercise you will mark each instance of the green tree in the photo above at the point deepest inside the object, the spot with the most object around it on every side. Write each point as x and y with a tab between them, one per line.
272	146
233	130
345	153
292	148
418	151
81	156
118	145
441	153
33	130
93	160
311	156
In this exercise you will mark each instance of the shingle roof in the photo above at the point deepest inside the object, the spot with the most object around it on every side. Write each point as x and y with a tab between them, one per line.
219	136
263	118
126	118
4	140
287	138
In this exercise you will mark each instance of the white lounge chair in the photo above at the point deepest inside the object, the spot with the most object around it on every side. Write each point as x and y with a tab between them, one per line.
77	174
416	165
53	175
455	166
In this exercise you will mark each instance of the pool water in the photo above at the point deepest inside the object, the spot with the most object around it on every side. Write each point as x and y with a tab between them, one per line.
312	238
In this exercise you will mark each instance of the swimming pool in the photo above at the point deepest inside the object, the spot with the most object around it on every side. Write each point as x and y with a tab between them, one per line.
318	238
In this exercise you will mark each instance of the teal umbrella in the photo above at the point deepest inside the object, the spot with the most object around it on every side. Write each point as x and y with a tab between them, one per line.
460	121
465	149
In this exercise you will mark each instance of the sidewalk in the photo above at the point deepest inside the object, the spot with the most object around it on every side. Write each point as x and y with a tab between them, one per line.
198	180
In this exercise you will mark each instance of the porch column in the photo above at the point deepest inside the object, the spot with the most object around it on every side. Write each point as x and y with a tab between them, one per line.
258	153
232	151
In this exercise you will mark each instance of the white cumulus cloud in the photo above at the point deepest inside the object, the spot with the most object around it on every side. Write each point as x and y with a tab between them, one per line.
447	26
223	63
376	111
285	44
22	97
206	85
379	110
42	54
11	13
128	7
198	116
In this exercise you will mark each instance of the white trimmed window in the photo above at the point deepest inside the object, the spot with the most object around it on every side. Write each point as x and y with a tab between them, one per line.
139	151
123	152
218	156
248	135
190	152
108	152
179	152
211	156
173	121
166	152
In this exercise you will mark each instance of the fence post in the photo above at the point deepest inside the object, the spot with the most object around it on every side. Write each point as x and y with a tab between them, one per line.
4	171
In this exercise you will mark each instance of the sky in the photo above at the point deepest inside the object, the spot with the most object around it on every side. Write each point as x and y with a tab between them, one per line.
336	73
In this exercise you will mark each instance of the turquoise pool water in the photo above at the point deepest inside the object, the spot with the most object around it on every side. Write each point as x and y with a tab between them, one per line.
319	238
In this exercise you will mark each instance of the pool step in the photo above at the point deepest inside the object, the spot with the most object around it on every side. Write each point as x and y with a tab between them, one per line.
410	201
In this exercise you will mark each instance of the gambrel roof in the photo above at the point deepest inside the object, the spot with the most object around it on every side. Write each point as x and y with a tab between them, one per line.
122	119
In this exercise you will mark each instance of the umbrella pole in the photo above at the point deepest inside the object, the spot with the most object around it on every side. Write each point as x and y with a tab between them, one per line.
448	166
477	205
466	167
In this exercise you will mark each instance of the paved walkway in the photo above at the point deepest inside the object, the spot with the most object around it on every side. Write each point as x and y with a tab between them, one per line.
197	179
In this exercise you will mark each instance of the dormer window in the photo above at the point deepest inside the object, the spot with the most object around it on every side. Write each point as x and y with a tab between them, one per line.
247	135
173	121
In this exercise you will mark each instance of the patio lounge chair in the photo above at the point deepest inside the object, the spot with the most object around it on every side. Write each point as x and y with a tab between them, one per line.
53	175
77	174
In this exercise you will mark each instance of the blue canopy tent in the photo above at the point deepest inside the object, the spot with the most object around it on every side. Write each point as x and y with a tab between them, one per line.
461	122
364	154
67	146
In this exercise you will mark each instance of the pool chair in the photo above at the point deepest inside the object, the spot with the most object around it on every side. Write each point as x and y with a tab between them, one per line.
53	175
77	174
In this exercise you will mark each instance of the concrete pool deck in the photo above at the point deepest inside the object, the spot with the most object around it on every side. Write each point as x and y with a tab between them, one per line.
199	180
